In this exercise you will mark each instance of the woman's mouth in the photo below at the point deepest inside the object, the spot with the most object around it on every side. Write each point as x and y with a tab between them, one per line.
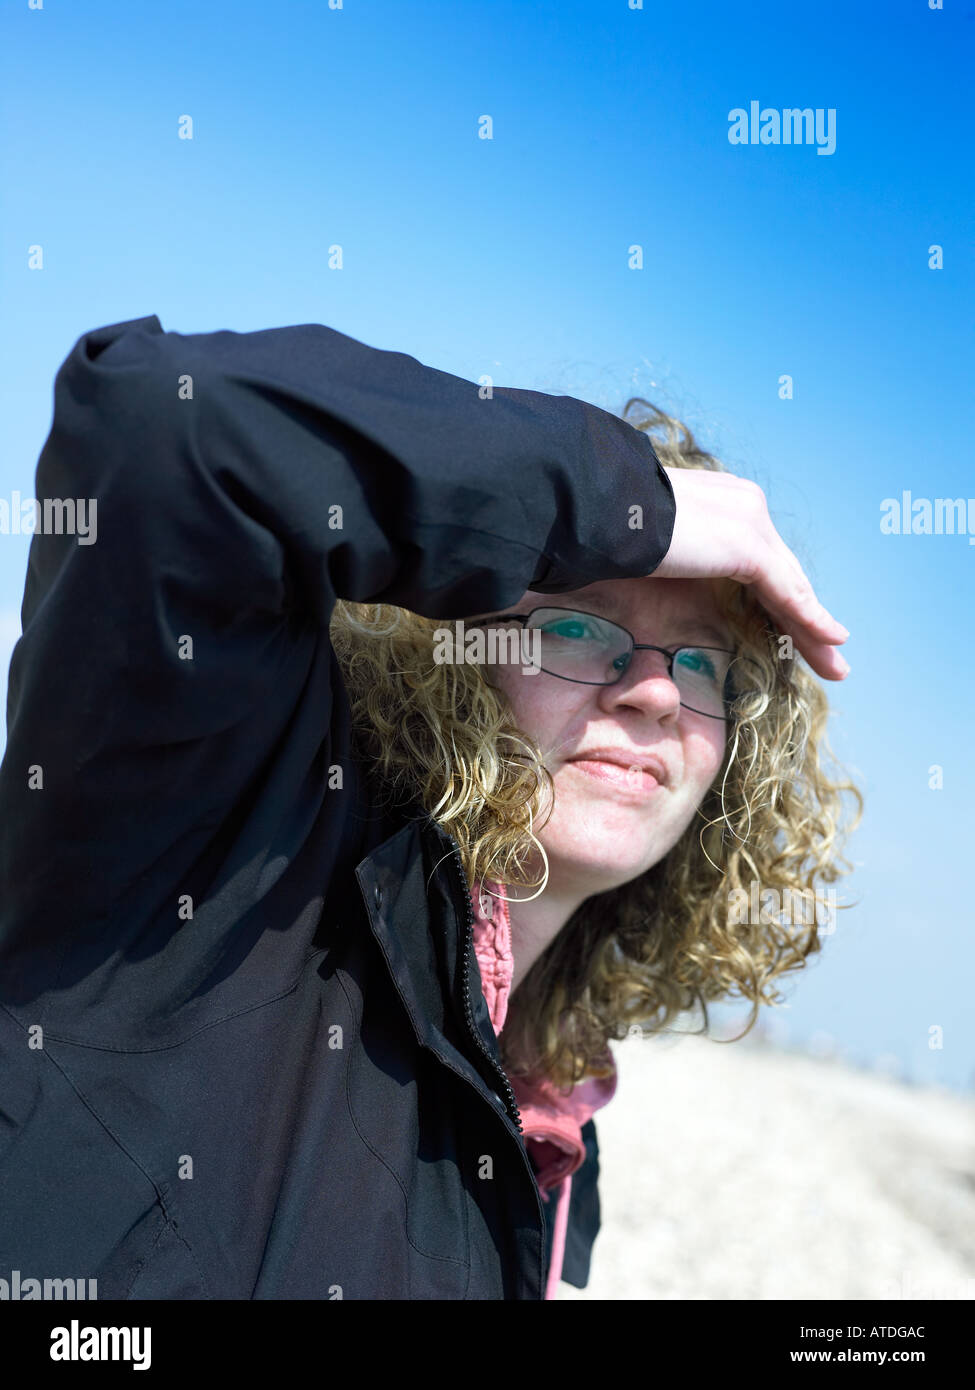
633	779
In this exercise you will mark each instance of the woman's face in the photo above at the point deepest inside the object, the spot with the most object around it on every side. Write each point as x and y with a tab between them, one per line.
609	825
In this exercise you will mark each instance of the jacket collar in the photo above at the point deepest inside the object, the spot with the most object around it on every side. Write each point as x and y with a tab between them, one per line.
418	907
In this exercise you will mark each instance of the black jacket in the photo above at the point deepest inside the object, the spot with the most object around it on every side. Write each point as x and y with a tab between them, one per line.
244	1049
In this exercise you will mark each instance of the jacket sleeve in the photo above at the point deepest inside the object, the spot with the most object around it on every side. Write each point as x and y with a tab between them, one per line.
236	485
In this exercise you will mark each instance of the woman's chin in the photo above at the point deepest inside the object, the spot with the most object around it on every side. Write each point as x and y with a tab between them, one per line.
596	865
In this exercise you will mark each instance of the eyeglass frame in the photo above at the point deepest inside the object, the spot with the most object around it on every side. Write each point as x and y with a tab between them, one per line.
635	646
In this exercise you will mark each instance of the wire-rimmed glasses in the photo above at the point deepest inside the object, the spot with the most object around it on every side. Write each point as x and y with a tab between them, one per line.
591	650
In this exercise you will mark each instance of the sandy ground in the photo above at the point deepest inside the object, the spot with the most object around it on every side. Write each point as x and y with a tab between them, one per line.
744	1171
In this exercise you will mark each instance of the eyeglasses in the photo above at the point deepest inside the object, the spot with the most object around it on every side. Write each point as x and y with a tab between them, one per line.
588	649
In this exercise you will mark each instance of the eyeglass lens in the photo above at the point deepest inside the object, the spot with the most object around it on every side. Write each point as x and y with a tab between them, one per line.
584	647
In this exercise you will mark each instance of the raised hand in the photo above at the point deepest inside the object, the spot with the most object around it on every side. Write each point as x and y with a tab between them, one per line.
723	530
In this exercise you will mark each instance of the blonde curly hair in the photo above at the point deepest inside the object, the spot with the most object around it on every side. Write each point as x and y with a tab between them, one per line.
668	942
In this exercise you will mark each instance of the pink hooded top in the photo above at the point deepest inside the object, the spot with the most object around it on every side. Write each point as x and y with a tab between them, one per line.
551	1120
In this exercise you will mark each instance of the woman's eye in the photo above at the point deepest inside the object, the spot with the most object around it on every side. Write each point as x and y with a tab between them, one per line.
699	662
570	628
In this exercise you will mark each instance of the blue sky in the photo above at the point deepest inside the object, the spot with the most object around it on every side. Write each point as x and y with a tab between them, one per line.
359	127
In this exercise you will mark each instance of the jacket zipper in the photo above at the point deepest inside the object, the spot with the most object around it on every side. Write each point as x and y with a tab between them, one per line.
512	1103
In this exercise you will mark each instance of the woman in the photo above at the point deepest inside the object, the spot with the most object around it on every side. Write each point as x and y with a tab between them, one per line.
634	795
245	1048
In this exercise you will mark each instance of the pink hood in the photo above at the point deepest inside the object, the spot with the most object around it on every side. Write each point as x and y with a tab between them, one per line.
551	1120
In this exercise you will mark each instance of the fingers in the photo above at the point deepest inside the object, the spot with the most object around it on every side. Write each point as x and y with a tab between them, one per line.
824	659
784	591
723	530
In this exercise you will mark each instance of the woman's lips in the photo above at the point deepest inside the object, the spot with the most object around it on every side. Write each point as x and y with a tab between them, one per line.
633	779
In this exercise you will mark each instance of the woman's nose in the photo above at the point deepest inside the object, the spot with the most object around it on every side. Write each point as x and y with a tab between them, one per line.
646	681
